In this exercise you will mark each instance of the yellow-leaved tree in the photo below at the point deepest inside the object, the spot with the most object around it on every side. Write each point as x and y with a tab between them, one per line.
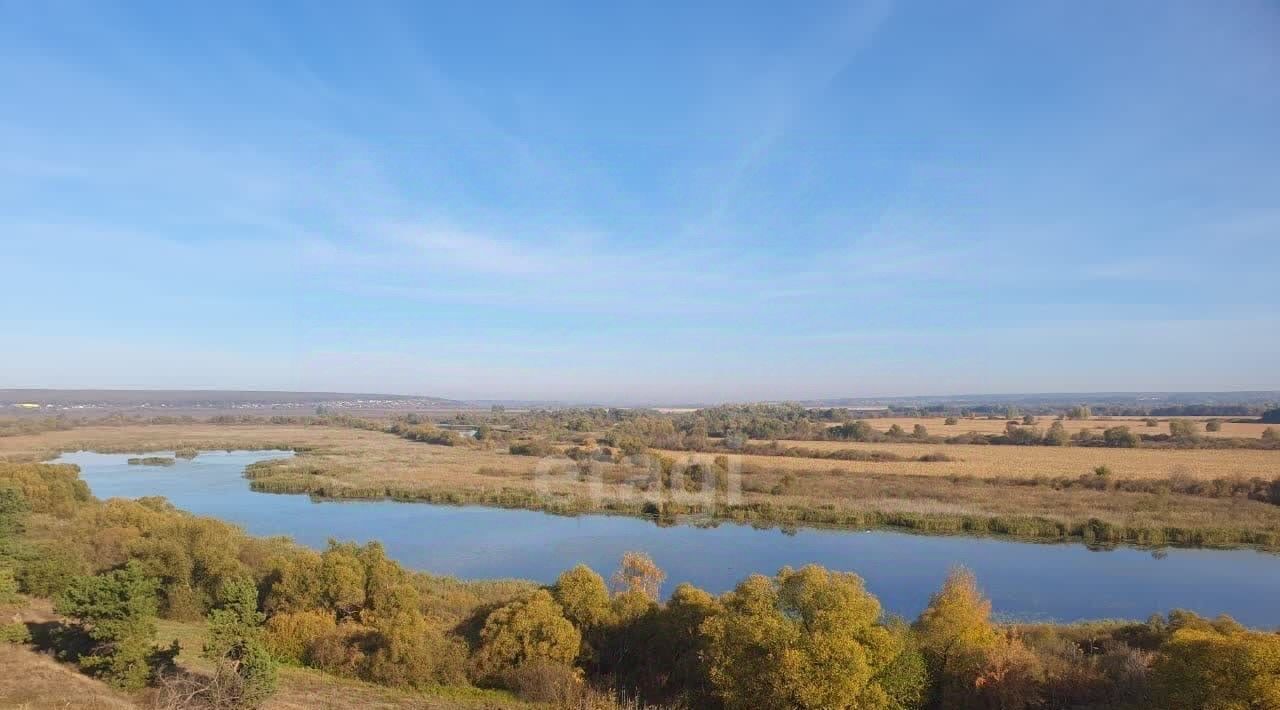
1210	669
807	638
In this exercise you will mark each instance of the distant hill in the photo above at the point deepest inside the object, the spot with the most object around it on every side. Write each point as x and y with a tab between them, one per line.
211	399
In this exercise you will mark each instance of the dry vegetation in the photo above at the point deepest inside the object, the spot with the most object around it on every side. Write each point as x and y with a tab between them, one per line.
984	425
984	461
33	680
962	495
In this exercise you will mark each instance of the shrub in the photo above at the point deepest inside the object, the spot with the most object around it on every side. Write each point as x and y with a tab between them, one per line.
535	448
951	421
1184	429
407	651
14	632
1213	425
542	681
288	635
1057	435
8	586
1119	437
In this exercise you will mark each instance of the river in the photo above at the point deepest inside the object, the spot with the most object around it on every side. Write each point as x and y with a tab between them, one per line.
1026	581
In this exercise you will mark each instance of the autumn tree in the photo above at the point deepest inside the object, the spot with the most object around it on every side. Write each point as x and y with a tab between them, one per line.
638	573
583	596
955	633
1057	435
1208	669
531	628
1183	429
341	579
1079	412
805	639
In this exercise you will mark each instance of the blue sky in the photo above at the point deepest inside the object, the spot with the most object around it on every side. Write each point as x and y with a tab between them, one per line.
641	202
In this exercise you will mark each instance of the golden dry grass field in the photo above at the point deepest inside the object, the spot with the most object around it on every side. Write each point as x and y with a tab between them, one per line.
937	426
986	461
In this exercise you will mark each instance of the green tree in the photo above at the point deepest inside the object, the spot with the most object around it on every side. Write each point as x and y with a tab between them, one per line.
805	639
905	679
118	612
245	673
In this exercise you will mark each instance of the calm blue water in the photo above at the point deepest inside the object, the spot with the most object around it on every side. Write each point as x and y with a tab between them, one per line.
1024	581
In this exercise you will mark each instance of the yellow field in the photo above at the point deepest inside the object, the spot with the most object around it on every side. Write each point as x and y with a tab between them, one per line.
1023	461
937	426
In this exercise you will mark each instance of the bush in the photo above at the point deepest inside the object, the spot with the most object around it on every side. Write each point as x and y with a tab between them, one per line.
14	632
288	635
542	681
951	421
1119	437
1183	429
533	448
